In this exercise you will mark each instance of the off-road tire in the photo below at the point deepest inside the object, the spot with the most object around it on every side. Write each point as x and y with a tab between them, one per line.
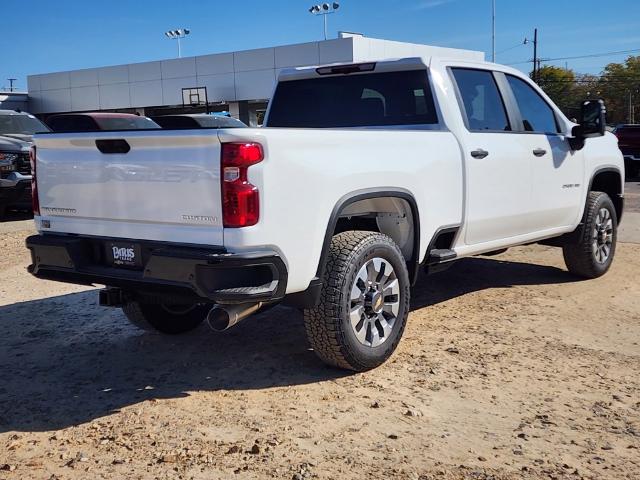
580	257
328	326
155	317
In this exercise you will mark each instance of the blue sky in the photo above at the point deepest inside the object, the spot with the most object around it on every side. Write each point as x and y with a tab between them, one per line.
42	36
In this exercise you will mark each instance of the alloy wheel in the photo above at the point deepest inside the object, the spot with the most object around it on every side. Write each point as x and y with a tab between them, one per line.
375	302
602	236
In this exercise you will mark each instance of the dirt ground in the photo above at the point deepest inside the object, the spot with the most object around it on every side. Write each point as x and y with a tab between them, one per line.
509	368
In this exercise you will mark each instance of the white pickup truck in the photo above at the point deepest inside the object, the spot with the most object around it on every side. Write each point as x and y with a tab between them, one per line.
363	175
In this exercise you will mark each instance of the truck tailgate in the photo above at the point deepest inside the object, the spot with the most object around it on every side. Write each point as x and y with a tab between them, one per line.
166	187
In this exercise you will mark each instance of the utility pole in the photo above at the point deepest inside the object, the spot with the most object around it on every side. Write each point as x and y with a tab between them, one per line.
493	31
535	55
11	80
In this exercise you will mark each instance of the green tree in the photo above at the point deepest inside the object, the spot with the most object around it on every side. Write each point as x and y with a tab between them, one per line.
560	84
619	85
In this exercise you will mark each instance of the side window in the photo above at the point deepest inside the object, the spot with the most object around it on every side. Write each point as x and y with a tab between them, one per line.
482	101
537	115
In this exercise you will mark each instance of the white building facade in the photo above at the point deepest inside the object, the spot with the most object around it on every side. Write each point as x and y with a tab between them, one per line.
240	82
14	101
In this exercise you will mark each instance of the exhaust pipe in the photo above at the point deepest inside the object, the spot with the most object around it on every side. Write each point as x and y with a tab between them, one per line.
221	318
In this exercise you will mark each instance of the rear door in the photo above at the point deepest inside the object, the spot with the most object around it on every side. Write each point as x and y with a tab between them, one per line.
498	175
154	185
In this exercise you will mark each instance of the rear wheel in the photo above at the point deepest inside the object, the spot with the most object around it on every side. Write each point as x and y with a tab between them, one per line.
364	303
165	318
592	255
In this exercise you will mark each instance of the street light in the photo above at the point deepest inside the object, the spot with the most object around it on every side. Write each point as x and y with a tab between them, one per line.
324	9
177	35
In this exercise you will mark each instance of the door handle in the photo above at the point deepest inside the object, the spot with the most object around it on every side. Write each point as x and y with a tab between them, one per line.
479	153
539	152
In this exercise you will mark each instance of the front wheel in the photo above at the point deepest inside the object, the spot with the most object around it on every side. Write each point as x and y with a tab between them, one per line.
364	302
592	255
165	318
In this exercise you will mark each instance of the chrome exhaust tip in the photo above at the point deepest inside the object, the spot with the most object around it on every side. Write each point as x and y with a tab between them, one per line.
223	317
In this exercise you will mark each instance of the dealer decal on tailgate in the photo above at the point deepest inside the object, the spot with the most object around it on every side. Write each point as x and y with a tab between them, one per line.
124	254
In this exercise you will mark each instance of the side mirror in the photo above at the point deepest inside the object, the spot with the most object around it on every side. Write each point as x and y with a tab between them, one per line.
592	119
592	123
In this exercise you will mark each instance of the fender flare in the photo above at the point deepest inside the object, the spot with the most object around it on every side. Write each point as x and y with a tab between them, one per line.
365	194
612	170
605	170
576	235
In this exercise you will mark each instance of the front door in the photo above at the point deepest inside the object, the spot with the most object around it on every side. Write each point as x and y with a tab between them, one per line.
557	171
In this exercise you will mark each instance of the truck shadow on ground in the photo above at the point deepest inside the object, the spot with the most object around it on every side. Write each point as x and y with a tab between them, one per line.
480	273
65	361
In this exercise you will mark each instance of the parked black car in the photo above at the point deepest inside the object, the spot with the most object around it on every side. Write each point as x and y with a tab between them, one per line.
16	137
99	121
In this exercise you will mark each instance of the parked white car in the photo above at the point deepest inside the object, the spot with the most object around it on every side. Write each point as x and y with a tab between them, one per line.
363	175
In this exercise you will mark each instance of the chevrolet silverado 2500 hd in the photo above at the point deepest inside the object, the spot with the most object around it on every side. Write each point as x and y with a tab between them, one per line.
363	175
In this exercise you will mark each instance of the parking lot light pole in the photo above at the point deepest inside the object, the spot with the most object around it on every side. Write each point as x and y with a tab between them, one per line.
178	35
493	31
324	10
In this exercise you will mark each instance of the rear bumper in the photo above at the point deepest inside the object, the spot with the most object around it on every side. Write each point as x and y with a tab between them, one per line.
196	273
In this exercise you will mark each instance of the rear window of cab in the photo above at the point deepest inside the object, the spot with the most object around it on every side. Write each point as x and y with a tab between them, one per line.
357	100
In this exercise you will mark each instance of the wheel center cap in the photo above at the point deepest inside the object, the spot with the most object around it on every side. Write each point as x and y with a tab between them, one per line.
602	237
374	301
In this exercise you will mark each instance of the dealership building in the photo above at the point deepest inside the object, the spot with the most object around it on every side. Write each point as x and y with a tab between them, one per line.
238	82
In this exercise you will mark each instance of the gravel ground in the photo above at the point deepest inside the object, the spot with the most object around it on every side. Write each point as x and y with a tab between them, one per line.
509	368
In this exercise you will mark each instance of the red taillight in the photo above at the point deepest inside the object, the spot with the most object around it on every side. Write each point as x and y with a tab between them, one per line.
35	201
240	199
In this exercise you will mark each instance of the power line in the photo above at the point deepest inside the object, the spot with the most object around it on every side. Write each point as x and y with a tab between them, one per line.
599	78
511	48
598	81
593	55
603	79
